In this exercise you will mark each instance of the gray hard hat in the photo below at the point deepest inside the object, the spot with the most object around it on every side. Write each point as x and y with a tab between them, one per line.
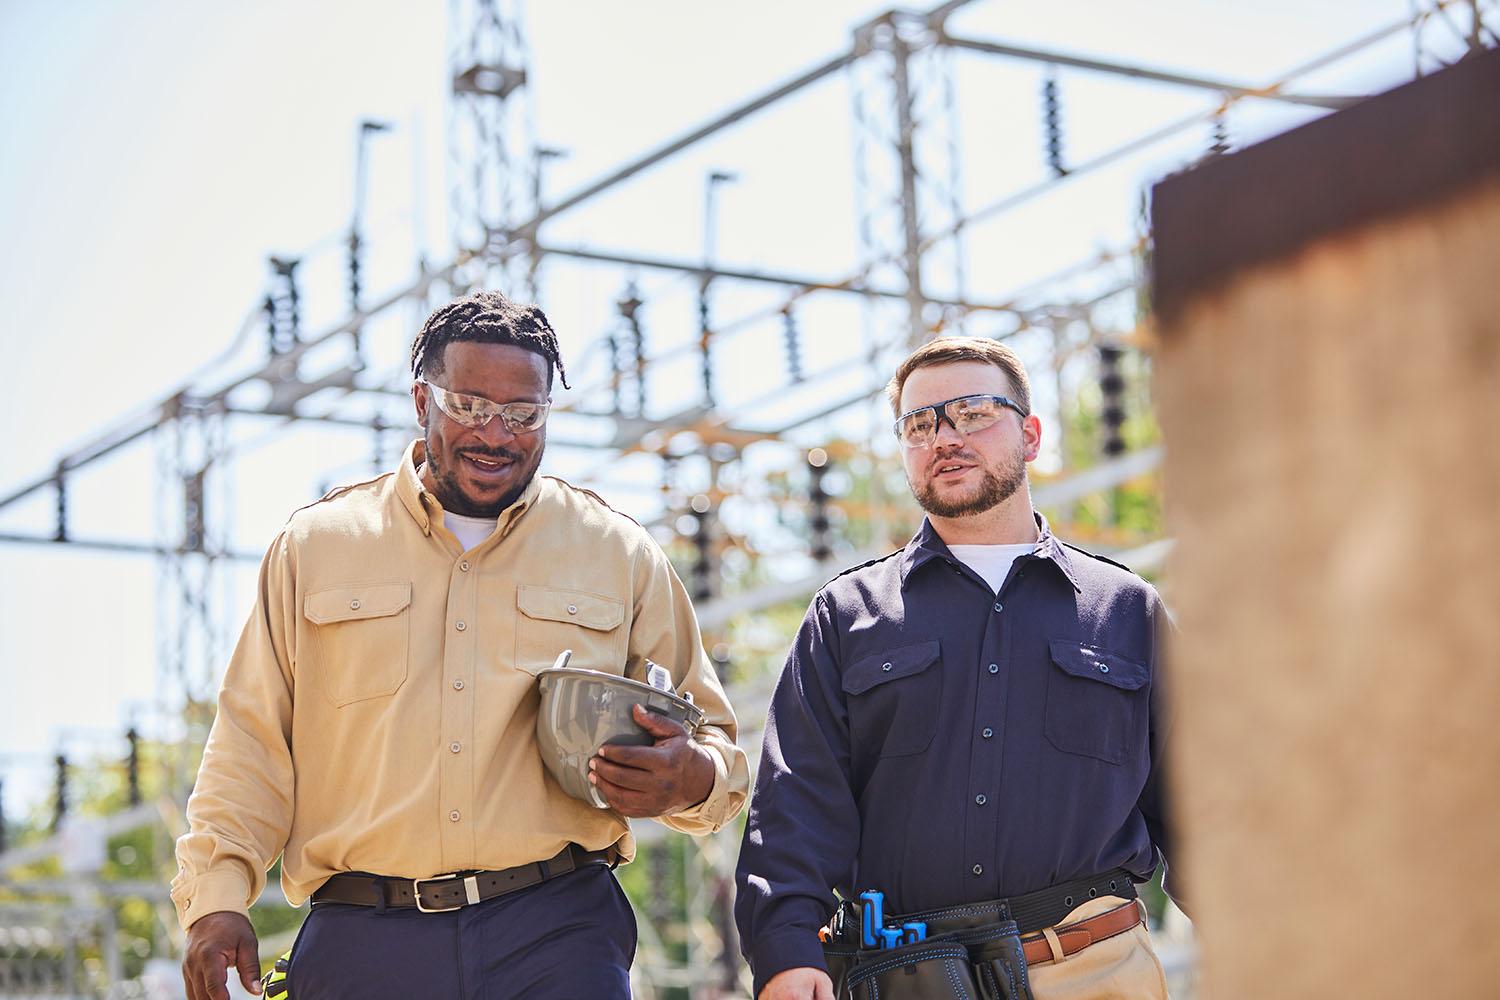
584	709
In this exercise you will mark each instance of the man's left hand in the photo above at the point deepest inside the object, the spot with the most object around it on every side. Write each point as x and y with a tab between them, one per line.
674	774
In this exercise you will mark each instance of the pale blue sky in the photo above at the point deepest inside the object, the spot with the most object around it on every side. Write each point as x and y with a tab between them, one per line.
153	153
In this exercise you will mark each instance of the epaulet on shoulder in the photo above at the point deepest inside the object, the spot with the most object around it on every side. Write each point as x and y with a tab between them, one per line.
864	565
596	497
1103	559
339	491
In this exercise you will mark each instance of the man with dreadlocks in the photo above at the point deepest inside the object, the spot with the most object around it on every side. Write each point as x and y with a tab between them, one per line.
377	723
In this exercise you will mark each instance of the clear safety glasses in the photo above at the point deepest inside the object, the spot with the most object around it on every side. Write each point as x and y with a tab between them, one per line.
967	414
476	411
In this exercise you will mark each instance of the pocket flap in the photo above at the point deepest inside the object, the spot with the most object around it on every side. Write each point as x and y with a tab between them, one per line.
903	661
365	600
1081	659
575	607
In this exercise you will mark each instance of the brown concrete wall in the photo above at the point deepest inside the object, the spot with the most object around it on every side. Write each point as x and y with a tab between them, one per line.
1333	429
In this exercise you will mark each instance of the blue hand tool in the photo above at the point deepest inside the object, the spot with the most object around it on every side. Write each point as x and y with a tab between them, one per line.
890	938
915	932
872	916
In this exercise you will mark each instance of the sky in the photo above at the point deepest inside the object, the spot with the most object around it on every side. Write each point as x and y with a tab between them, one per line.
153	154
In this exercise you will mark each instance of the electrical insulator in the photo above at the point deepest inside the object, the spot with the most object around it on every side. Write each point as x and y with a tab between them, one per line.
1112	396
133	766
1052	115
60	793
819	526
630	308
703	545
793	344
705	337
61	534
1220	145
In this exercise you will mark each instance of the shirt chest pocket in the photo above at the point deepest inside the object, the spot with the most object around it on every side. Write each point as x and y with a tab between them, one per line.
893	699
362	634
552	620
1096	702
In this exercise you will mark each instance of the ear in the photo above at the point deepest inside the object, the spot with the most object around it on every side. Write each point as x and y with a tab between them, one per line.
419	396
1031	436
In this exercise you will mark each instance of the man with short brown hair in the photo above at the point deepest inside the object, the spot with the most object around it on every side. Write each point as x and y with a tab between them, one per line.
970	726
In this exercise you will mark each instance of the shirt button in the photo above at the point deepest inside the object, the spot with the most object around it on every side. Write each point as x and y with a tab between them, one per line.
978	869
988	732
354	605
885	666
980	800
1104	668
458	685
994	668
455	747
572	609
460	625
454	816
999	606
464	565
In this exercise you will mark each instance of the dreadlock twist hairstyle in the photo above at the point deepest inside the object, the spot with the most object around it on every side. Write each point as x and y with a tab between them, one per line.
487	318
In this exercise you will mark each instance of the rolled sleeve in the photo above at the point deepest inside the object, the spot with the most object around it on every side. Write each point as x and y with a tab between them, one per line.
726	797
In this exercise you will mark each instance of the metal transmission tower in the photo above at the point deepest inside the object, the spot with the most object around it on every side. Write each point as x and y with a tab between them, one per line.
907	162
493	162
192	538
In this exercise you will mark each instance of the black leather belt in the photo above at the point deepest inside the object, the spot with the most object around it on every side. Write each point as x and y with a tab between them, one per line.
454	891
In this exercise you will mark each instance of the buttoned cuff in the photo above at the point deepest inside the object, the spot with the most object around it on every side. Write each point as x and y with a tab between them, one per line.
709	815
220	891
787	948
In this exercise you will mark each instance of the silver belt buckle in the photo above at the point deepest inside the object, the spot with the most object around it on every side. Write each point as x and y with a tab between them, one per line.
471	893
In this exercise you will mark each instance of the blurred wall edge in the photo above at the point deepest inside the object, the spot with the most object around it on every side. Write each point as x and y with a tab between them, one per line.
1329	379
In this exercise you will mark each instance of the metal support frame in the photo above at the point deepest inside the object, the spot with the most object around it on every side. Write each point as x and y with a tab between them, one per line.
492	145
911	224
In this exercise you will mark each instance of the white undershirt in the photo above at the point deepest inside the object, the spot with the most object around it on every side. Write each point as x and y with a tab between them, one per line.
469	531
992	562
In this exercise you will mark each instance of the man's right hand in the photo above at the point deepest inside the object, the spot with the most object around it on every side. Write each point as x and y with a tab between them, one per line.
214	943
799	984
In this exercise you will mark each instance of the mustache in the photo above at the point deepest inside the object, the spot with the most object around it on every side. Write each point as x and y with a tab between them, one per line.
498	455
938	463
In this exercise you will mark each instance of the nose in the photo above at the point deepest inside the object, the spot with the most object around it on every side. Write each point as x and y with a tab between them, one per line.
947	433
494	434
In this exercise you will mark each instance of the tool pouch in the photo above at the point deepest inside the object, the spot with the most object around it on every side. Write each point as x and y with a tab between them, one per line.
998	961
926	970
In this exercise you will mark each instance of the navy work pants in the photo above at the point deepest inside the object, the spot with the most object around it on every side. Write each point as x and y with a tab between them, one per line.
569	938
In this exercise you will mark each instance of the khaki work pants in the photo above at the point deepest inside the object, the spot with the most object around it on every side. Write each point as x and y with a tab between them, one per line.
1123	967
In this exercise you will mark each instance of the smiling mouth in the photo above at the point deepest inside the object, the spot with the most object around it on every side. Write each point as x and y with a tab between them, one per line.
489	466
951	468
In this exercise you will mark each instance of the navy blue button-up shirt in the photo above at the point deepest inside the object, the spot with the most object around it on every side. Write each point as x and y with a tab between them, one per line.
944	744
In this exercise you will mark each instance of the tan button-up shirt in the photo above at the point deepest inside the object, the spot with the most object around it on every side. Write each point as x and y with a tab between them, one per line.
379	713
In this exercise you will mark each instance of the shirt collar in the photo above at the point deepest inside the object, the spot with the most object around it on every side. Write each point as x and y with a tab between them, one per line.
424	507
926	546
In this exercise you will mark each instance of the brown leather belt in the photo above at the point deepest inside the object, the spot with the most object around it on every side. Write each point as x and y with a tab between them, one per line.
1073	938
454	891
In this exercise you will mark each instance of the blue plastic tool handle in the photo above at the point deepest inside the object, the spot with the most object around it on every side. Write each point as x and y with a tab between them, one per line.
890	938
872	917
915	932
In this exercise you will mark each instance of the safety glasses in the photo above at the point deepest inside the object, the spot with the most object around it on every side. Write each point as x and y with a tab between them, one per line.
476	411
966	414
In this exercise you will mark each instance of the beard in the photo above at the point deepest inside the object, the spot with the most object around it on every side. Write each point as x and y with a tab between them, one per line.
449	491
994	488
